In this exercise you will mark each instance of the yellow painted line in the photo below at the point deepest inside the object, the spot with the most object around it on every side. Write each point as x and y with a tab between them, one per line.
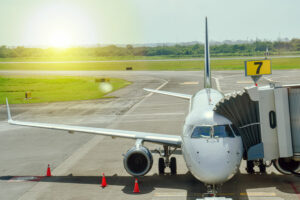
190	195
259	194
225	194
249	194
190	83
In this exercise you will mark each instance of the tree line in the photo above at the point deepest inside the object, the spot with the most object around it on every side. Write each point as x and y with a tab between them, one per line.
195	50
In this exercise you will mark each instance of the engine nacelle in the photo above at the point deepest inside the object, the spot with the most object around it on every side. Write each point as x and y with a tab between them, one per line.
138	161
287	165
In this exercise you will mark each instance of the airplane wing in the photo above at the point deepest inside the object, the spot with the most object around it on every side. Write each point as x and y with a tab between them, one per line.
180	95
171	140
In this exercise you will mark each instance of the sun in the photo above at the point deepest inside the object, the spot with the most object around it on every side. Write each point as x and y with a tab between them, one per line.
60	25
60	38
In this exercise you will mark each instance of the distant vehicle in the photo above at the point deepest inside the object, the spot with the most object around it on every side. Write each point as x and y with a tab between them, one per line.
210	143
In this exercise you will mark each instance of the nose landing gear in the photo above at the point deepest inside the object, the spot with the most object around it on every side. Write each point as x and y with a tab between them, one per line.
212	193
165	161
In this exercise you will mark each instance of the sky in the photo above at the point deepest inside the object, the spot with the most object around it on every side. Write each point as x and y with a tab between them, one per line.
63	23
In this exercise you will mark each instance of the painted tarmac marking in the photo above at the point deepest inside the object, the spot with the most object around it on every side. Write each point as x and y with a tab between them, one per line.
217	83
269	79
244	82
190	83
174	113
167	194
147	120
151	93
295	190
249	194
259	194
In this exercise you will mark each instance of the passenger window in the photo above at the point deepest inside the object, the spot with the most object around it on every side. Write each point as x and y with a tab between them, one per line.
201	131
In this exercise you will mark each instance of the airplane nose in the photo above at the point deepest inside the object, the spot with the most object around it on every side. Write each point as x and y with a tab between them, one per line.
215	164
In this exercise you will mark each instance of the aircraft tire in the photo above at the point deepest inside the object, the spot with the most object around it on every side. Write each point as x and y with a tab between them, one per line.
250	166
262	167
161	166
173	166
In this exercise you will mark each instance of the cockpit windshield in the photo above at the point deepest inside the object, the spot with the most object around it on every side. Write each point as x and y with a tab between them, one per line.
219	131
223	131
201	131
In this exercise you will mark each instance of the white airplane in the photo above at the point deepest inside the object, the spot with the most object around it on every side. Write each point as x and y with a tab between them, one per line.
210	143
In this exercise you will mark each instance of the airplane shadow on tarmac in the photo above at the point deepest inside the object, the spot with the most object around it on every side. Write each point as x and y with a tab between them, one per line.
147	184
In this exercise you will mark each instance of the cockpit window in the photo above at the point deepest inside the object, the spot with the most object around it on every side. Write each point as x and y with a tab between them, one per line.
201	131
223	131
219	131
236	131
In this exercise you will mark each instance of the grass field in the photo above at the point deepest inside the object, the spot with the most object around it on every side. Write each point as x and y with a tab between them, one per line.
90	58
55	88
233	64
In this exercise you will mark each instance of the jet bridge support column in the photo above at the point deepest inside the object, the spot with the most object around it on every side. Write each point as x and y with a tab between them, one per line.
294	105
283	122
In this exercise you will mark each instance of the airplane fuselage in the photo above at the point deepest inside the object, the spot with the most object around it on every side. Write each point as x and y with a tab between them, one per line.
211	148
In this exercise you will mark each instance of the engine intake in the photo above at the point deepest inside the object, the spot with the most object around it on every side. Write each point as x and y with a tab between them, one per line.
138	161
287	165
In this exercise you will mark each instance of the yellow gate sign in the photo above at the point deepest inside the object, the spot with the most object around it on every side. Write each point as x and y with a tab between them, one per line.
258	67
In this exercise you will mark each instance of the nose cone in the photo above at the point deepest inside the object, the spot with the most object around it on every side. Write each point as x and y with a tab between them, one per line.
214	161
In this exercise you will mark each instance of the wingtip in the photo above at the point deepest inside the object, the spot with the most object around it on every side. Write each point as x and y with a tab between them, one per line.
8	111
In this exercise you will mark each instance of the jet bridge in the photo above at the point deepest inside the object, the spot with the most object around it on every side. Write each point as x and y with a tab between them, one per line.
244	114
268	120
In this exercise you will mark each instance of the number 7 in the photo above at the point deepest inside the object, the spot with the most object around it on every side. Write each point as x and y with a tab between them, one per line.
259	66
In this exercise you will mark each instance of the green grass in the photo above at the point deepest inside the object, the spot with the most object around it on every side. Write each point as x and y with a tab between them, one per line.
88	58
53	88
132	57
233	64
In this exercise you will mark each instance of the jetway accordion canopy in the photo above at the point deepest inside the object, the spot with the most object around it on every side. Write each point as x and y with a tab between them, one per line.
244	114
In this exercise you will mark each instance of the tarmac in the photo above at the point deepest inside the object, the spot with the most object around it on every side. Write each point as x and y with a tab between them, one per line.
78	160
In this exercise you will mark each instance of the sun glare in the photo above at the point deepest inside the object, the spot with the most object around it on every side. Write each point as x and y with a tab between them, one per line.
60	38
60	25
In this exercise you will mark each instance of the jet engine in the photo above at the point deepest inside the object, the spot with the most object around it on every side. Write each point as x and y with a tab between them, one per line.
287	165
138	161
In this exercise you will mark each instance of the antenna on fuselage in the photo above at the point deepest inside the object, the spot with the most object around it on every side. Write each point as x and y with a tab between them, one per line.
207	75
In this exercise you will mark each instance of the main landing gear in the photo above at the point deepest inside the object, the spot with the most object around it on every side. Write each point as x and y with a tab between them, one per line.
259	163
165	161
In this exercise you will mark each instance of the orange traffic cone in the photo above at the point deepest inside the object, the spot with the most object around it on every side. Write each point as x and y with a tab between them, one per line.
103	184
48	171
136	187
